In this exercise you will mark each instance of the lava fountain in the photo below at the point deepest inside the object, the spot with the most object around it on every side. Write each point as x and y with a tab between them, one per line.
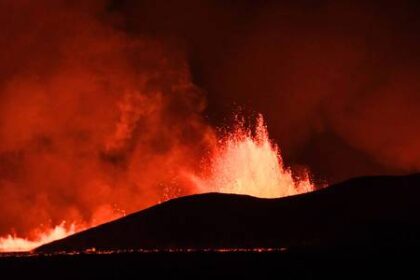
249	163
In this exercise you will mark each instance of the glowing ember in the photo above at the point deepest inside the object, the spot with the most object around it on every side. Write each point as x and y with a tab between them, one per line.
252	165
12	243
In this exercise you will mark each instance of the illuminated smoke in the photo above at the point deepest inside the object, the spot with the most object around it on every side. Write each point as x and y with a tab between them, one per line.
92	120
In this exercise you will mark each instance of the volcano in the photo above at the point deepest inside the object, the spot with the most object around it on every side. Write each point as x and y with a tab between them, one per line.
366	213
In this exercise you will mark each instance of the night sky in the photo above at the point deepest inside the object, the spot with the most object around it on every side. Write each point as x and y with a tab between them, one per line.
337	81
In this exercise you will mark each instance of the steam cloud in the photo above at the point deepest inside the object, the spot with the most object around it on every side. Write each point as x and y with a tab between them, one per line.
102	104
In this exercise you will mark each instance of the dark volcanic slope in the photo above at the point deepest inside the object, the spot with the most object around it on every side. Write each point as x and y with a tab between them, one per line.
371	212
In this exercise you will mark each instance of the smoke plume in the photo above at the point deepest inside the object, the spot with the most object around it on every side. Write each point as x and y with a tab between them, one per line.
91	120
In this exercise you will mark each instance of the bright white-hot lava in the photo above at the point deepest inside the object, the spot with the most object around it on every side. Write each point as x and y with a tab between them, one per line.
244	162
251	164
11	243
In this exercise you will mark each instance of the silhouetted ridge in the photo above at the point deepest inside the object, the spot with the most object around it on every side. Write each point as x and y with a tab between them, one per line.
368	212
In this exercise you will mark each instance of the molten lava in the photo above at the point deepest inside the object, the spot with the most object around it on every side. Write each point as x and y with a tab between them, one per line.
244	162
251	165
12	243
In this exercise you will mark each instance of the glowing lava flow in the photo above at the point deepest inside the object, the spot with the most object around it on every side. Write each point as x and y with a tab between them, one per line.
243	163
12	243
251	165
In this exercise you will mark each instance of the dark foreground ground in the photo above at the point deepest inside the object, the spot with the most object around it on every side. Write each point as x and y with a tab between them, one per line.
403	264
364	227
371	213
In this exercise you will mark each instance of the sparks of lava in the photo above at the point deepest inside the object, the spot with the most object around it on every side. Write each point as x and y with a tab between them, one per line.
251	164
243	163
12	243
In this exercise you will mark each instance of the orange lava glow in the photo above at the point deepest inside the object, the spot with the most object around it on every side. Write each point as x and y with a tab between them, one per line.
96	122
244	162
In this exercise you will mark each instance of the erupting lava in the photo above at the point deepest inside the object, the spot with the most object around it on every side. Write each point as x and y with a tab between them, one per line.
243	163
96	122
251	165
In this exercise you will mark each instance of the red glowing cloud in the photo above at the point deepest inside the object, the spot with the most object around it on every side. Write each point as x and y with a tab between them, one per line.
91	120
